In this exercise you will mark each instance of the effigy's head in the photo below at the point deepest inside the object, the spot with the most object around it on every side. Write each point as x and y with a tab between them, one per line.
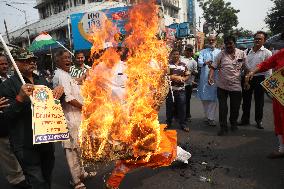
124	90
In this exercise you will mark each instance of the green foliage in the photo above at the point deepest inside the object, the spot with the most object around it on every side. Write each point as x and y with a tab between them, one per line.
241	32
220	16
275	17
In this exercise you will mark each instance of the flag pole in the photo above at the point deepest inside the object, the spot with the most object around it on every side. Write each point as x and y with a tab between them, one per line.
12	60
69	31
52	64
65	48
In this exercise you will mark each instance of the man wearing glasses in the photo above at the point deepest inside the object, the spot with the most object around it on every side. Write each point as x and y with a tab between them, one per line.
255	56
37	161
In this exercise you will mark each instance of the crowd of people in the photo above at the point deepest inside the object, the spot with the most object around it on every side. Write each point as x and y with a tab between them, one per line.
27	165
228	72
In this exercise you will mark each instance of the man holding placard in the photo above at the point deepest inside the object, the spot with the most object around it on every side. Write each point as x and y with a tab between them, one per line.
37	161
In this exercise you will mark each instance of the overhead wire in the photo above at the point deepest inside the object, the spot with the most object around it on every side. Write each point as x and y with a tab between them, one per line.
62	21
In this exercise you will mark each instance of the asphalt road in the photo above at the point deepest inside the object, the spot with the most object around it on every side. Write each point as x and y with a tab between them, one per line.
235	161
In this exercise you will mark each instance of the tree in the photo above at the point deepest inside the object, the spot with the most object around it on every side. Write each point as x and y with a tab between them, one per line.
219	16
241	32
275	17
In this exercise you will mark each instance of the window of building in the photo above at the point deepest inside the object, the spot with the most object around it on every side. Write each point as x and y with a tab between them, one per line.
79	2
60	6
91	1
45	11
171	12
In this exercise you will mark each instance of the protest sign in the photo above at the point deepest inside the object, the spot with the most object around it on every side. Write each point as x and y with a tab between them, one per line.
275	85
48	121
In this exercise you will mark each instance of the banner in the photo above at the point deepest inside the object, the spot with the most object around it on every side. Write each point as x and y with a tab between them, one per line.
82	22
275	85
48	121
200	40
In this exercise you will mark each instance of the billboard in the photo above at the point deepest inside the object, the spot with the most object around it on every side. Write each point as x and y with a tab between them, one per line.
81	24
191	11
182	29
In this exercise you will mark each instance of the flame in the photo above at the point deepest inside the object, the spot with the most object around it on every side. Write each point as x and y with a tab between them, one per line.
115	128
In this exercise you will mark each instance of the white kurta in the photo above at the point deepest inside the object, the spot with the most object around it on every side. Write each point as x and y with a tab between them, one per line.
72	114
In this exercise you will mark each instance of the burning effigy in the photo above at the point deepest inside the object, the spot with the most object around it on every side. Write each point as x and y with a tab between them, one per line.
122	98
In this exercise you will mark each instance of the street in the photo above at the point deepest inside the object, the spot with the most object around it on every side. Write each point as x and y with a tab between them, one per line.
235	161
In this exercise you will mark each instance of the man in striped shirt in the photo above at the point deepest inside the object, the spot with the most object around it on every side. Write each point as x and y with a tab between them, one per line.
178	75
79	68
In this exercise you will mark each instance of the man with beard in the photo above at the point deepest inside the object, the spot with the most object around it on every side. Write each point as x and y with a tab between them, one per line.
205	92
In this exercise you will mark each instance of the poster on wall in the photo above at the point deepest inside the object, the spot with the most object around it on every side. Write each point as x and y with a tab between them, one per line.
81	24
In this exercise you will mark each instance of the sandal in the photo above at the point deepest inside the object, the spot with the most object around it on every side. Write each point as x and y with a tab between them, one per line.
79	185
186	129
110	187
88	175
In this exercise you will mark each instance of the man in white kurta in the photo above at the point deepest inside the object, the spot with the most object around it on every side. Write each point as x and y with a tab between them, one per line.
72	105
205	92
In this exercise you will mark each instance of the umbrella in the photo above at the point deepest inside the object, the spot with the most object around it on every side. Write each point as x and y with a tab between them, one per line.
276	42
41	41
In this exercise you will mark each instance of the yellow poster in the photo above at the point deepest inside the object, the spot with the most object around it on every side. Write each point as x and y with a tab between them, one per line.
48	121
275	85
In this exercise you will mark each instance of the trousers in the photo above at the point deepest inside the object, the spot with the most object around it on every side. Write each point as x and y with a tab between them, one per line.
210	108
235	103
177	106
188	92
74	164
9	163
38	164
258	91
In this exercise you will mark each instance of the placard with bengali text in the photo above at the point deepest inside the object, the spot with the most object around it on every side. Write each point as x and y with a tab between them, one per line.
48	120
275	85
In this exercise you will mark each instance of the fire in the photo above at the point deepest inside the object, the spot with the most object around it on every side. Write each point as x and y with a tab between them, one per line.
126	126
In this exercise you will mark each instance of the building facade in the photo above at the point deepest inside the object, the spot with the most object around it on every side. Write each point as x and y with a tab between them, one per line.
54	13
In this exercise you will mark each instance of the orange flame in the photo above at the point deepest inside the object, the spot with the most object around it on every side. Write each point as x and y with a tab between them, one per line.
114	128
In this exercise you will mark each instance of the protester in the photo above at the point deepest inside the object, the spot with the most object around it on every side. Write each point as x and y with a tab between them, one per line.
178	75
255	56
192	67
230	63
72	107
37	161
208	93
8	160
275	62
79	68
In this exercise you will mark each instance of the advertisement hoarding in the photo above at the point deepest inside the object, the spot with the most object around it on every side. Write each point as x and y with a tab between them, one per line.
81	24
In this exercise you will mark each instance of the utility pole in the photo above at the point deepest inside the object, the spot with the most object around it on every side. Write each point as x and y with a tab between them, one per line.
199	22
26	21
6	31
